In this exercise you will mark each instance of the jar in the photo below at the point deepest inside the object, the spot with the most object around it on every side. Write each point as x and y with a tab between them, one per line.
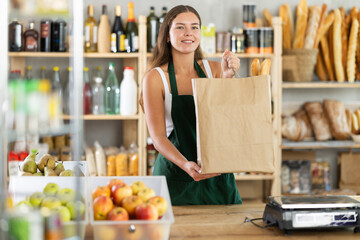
266	40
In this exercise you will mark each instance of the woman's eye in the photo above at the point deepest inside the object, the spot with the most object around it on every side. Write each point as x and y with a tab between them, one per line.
195	28
180	27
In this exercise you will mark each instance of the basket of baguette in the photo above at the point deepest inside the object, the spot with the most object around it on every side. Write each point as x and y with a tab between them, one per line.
299	64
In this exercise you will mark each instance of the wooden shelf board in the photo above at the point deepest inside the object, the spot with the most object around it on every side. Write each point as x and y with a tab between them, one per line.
111	55
321	85
105	117
319	145
67	54
253	177
239	55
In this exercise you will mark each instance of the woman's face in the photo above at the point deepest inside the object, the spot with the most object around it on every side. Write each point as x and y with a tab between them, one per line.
184	33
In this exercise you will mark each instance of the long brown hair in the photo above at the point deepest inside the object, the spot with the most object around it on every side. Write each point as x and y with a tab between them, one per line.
162	51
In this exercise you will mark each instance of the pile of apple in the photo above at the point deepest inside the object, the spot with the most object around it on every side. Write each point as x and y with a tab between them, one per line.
119	201
54	199
47	166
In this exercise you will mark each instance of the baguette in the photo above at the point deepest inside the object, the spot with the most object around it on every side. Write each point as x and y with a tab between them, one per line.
339	70
301	22
357	113
255	67
331	48
312	27
348	114
291	21
354	13
268	17
320	68
351	66
326	56
265	67
355	124
323	28
345	22
286	26
323	15
358	53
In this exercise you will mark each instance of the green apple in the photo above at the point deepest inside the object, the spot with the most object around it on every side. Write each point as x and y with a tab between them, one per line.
51	189
24	205
51	202
66	195
64	213
36	198
72	206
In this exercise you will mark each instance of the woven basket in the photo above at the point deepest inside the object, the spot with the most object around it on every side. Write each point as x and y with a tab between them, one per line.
299	64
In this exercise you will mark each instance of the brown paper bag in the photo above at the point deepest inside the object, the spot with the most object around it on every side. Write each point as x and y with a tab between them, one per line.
233	127
349	168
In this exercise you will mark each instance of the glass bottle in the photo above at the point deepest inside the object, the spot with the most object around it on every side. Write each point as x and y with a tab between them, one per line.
161	18
118	33
31	37
67	100
58	36
87	93
91	31
43	72
104	32
128	90
45	35
132	39
98	96
28	73
112	92
55	106
15	36
152	22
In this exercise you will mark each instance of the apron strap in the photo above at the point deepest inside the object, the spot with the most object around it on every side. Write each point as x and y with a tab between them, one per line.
172	78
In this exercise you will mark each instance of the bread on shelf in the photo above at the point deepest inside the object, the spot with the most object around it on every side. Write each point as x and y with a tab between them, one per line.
353	39
337	47
318	121
335	112
301	22
312	27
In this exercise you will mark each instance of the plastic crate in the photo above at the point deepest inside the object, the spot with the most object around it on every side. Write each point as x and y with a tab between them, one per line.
133	229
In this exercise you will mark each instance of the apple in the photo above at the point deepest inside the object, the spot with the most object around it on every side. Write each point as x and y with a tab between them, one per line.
146	211
66	195
24	205
118	214
36	198
130	203
160	203
51	202
137	186
146	193
102	206
76	205
101	191
51	189
114	181
119	192
64	213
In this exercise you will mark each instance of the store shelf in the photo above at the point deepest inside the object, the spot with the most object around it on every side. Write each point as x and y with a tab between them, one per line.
67	55
105	117
320	85
253	177
239	55
14	135
111	55
319	145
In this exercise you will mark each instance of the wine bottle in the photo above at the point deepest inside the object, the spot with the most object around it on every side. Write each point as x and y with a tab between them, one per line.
152	23
132	39
15	36
104	32
161	18
45	39
91	29
31	37
118	33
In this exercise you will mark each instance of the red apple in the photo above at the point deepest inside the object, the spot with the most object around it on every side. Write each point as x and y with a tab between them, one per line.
146	211
160	203
146	193
118	214
101	191
114	181
130	203
137	186
119	192
102	206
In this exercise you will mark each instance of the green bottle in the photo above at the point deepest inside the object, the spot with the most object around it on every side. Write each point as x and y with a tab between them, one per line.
132	37
152	25
112	92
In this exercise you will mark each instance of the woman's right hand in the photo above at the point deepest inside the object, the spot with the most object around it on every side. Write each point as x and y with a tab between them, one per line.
194	171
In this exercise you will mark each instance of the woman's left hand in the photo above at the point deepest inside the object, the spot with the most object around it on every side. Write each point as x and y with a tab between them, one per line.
230	64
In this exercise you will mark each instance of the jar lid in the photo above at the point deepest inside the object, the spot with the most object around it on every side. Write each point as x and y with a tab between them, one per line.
128	68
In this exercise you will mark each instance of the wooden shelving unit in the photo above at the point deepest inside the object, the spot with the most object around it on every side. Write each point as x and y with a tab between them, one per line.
105	117
321	85
251	177
319	145
67	55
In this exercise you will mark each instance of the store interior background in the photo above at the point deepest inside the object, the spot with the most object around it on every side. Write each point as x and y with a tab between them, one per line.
225	14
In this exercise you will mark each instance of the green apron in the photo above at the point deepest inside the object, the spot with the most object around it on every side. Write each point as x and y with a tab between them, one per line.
183	189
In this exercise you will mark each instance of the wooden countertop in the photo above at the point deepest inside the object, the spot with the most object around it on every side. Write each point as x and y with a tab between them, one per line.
227	222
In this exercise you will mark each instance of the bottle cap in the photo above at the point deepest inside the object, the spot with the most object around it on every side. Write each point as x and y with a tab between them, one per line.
128	68
43	68
69	69
86	69
56	68
118	10
98	68
152	8
29	67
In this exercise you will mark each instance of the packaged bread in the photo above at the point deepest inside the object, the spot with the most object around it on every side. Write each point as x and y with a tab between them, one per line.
283	13
133	160
324	27
90	161
268	17
323	14
318	121
301	22
301	114
349	119
255	67
320	68
337	47
100	159
121	164
291	128
110	166
335	112
265	67
312	27
351	64
325	51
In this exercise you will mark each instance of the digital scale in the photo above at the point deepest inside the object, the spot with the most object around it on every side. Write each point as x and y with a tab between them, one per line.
309	212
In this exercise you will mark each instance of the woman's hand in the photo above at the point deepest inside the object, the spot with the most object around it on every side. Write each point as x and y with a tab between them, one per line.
194	171
230	64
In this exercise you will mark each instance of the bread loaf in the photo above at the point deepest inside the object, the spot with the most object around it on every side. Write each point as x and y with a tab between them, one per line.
291	20
357	113
320	68
345	23
268	17
339	69
354	13
265	67
358	53
291	128
301	114
312	27
355	124
326	56
255	67
335	112
348	114
285	26
351	65
318	121
323	15
323	28
301	22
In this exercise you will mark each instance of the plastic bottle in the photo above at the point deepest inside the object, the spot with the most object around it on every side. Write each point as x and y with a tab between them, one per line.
128	90
87	93
112	92
28	72
98	96
55	103
133	160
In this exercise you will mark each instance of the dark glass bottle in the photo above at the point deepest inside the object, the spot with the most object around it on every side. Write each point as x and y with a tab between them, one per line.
118	33
58	36
31	37
132	39
161	18
152	23
15	36
45	35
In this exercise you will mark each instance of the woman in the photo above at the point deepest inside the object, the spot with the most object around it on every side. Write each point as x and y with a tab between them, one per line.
170	111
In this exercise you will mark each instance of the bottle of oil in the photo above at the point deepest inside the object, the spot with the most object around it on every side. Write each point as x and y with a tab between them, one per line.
91	31
152	23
